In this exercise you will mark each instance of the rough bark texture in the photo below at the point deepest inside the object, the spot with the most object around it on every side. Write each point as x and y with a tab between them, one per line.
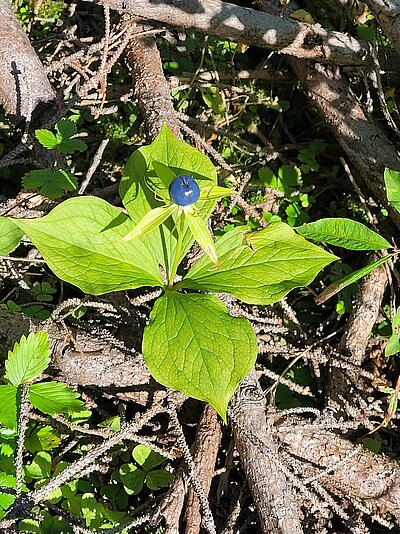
359	474
249	26
272	494
208	440
23	82
150	86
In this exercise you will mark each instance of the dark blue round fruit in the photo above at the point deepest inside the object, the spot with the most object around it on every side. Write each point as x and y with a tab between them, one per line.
184	190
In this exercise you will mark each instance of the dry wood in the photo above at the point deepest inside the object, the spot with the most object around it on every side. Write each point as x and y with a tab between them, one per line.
246	25
359	474
272	494
23	82
150	86
205	450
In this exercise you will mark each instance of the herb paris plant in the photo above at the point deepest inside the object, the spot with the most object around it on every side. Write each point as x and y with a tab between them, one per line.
191	343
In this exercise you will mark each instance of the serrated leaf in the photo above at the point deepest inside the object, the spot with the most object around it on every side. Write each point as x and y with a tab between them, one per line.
260	267
54	397
146	458
141	187
193	345
10	236
66	128
334	288
8	406
158	479
80	240
202	235
343	233
47	139
69	146
393	344
50	184
28	359
151	221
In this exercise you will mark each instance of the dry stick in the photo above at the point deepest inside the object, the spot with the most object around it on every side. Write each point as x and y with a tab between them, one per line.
18	60
151	88
272	494
207	442
366	477
95	163
249	26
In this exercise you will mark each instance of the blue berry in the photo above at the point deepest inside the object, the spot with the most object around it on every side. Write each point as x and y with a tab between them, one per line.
184	190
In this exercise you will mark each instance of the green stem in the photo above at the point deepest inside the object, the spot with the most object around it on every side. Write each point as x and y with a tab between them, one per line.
178	249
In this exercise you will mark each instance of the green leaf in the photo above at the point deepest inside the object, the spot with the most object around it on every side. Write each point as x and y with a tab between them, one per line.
151	221
47	139
132	478
214	192
213	99
202	235
192	344
349	279
260	267
28	359
393	345
80	240
158	479
54	397
10	236
72	145
141	187
66	129
42	439
392	183
343	233
146	458
50	184
8	406
40	466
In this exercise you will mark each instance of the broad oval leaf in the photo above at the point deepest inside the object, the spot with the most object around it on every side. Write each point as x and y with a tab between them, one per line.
28	359
193	345
146	181
392	183
81	241
343	233
10	236
261	267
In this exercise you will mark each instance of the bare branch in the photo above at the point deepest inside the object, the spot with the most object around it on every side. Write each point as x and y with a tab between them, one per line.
249	26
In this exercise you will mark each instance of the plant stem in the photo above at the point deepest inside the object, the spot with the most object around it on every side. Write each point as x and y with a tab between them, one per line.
178	249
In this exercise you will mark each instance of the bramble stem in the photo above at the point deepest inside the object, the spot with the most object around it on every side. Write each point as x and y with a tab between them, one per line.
177	250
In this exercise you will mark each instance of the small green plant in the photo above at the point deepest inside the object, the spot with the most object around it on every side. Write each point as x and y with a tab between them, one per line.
133	476
52	183
23	367
191	343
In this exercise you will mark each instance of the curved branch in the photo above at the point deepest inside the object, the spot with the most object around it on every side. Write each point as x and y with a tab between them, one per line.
249	26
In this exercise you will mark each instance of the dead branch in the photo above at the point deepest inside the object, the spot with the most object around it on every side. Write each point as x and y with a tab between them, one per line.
150	86
366	477
273	497
23	82
205	450
249	26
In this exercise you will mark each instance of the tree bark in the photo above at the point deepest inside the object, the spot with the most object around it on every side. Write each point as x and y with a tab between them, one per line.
249	26
23	81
